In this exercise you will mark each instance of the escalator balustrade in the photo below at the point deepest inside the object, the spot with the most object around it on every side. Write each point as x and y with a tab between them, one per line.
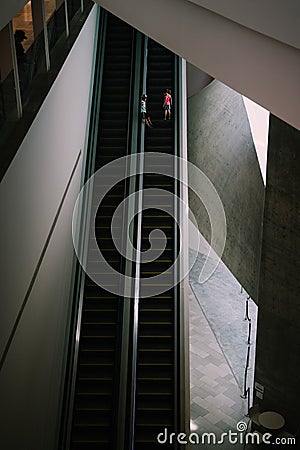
96	393
156	392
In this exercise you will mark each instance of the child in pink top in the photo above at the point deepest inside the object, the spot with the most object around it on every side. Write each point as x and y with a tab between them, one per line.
167	103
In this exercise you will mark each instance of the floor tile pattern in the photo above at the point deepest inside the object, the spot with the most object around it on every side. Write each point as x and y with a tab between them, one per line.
216	403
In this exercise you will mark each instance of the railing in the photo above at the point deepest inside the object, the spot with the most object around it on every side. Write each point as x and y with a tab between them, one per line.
127	264
24	88
130	259
78	274
127	365
140	83
182	192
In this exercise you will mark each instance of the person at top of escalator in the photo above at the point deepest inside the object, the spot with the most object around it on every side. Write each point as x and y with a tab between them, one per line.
20	36
145	116
22	60
167	103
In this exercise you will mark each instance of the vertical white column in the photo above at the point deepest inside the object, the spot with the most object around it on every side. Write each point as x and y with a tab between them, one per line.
67	19
16	71
46	40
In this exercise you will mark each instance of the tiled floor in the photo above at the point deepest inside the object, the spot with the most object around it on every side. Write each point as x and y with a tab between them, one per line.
218	341
216	403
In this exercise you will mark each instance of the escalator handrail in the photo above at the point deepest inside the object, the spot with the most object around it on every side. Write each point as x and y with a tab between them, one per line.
183	327
129	258
78	290
141	62
176	129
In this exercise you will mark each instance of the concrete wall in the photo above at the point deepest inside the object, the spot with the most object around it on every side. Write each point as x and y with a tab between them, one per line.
262	68
220	144
278	335
35	277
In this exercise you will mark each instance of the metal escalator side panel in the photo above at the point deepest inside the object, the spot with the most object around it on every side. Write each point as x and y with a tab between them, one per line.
157	383
97	384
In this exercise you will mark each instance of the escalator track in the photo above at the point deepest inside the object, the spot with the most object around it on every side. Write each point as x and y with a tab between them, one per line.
140	399
157	383
96	390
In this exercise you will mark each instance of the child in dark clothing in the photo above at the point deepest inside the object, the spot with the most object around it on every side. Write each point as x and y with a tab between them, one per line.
144	115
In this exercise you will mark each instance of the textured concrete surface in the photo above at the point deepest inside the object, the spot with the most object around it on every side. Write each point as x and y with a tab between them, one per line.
278	337
221	145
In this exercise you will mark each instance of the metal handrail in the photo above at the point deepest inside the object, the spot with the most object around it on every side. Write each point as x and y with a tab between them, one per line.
79	277
140	84
132	145
176	274
184	399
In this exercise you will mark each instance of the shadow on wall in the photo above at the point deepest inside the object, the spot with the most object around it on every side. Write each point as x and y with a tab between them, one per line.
224	306
196	80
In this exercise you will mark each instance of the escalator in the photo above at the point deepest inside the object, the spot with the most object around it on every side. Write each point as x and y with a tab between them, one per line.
157	381
125	380
97	380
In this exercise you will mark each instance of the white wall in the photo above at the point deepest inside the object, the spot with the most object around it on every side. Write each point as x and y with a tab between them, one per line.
259	123
30	195
262	68
275	18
